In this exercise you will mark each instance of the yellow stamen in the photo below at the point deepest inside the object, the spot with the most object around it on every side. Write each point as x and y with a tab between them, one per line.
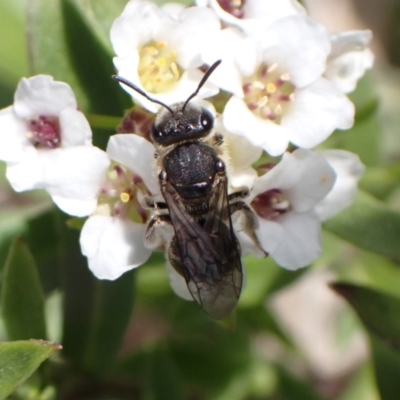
271	88
125	197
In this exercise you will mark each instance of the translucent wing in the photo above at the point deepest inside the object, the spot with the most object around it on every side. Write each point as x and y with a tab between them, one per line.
207	253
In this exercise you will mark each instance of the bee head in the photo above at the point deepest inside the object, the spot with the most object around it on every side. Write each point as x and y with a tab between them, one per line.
181	121
191	122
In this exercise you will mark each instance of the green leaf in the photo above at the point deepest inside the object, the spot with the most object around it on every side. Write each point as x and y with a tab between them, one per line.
163	377
387	369
96	313
369	224
46	249
292	388
379	312
264	277
380	182
94	72
22	298
47	46
13	58
18	360
112	311
259	319
78	285
362	138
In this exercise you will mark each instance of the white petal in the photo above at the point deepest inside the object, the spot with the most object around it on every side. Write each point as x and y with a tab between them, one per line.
349	170
283	176
75	207
76	173
113	246
258	14
316	180
138	24
238	119
173	10
41	95
196	27
241	179
137	154
301	243
241	152
300	47
13	140
178	283
27	174
201	3
238	55
349	59
316	112
270	234
75	129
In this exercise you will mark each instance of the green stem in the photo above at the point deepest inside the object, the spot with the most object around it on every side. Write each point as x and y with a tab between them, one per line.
103	121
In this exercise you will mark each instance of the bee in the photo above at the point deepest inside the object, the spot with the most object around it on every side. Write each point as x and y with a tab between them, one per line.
195	219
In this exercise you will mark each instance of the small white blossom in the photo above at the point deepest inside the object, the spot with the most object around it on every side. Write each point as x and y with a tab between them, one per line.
110	239
284	201
252	16
348	169
279	92
159	50
46	143
349	59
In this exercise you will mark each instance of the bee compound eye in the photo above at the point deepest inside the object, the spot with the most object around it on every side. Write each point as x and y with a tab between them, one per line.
156	133
219	166
207	119
162	177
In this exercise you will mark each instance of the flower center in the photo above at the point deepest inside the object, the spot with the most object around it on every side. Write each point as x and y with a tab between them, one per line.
268	93
137	120
120	193
233	7
158	70
270	204
44	132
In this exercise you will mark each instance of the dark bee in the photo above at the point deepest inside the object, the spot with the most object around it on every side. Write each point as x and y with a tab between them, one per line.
196	219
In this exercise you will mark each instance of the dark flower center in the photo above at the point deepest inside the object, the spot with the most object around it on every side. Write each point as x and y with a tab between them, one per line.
233	7
44	132
268	93
270	204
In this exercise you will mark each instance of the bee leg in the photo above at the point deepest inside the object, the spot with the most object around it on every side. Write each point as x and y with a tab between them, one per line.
218	139
244	220
159	231
148	202
239	195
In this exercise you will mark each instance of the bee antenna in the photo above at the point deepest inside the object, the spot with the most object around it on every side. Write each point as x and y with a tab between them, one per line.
140	91
202	82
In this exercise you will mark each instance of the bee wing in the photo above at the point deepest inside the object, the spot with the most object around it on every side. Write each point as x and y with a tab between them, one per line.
208	256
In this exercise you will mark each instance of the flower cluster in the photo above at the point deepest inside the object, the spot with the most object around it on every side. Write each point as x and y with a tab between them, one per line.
280	91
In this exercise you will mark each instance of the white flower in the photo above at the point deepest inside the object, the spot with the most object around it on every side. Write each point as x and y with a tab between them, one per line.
348	169
252	15
284	201
159	50
349	59
112	241
279	93
46	143
238	155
